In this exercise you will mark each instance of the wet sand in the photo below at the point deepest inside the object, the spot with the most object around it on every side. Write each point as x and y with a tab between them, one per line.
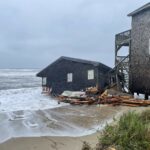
77	119
48	143
69	121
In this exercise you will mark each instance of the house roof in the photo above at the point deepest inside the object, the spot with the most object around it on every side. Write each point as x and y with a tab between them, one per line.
141	9
94	63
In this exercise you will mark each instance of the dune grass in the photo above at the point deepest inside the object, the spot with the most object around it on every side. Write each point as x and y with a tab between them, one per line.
131	132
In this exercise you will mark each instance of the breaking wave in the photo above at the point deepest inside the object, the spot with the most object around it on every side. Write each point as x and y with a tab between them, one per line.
26	99
25	112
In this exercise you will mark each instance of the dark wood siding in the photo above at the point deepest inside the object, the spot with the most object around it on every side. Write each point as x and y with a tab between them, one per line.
103	77
139	54
57	76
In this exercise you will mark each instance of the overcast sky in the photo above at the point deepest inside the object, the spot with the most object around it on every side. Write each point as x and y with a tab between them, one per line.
33	33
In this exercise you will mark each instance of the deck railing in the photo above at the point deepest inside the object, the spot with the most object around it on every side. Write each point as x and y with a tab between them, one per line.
123	36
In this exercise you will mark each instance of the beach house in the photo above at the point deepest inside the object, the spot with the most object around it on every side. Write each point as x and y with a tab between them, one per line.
74	75
135	66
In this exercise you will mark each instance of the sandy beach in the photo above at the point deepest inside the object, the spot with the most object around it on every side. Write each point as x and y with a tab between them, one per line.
68	142
72	121
48	143
83	117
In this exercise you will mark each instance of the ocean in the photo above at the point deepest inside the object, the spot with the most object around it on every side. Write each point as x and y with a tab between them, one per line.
20	89
25	112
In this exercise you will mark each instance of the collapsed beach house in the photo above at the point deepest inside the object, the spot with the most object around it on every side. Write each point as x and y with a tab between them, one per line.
74	75
131	72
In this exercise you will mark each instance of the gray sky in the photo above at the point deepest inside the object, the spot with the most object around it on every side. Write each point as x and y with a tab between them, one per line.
33	33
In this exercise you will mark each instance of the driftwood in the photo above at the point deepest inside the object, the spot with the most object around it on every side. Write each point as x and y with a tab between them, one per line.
92	90
76	101
105	98
124	101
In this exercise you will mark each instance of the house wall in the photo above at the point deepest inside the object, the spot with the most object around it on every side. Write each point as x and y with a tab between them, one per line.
57	76
140	53
103	77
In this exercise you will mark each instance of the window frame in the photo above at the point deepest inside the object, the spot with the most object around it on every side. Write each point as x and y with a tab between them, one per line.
44	81
69	77
90	74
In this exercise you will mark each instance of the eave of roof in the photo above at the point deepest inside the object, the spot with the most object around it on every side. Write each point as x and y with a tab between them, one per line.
94	63
145	7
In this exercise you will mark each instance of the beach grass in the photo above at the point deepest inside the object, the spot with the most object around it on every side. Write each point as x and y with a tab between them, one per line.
130	132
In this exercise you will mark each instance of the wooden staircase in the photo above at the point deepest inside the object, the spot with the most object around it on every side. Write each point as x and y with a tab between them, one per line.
121	69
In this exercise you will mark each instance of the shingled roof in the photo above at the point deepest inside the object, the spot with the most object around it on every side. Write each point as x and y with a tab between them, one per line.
94	63
143	8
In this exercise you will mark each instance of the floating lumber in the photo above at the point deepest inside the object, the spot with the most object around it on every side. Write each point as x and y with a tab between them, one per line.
131	105
104	98
124	102
76	101
137	101
81	102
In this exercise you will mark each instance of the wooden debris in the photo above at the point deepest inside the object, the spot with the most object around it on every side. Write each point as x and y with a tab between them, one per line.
124	101
105	98
110	148
92	90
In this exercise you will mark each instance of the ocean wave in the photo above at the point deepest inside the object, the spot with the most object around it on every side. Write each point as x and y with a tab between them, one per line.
18	78
26	99
18	72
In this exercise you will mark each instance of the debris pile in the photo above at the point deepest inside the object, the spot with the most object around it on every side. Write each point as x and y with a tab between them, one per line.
92	96
124	101
76	98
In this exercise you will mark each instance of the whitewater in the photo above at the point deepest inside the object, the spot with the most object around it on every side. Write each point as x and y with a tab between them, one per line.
20	99
26	112
21	90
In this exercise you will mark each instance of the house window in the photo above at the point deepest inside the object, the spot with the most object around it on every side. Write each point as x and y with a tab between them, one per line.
90	74
69	77
44	81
